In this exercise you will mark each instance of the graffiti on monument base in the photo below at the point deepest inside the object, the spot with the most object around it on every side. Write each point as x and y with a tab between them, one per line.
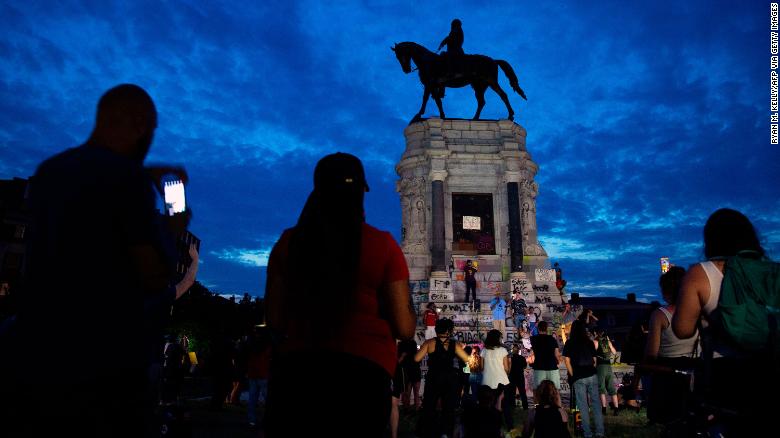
541	288
470	335
419	286
441	285
521	285
441	296
419	298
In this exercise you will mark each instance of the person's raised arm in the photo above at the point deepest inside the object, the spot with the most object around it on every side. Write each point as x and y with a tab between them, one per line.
461	353
189	277
443	42
420	355
688	310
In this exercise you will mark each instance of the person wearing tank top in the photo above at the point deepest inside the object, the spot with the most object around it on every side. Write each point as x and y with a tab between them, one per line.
662	343
667	391
441	381
730	384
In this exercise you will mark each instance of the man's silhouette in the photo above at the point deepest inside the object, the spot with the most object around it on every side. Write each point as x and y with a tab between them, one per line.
100	281
454	43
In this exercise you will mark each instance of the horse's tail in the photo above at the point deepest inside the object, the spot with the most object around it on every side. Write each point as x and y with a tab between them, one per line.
510	74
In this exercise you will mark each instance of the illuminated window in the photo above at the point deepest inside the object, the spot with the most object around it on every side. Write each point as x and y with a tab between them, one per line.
471	223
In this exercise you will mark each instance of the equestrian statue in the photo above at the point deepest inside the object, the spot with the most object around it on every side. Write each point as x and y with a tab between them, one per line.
454	69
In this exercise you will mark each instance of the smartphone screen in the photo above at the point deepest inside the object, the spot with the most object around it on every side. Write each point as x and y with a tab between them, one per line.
173	192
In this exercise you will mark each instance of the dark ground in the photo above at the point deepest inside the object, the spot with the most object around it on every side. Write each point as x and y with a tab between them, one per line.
231	420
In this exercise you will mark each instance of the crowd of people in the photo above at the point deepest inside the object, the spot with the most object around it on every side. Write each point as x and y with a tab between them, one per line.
105	283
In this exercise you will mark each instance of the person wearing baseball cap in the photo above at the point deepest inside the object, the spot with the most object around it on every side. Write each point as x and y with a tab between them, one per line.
343	314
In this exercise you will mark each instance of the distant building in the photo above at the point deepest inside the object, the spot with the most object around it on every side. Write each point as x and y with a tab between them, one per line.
617	315
183	260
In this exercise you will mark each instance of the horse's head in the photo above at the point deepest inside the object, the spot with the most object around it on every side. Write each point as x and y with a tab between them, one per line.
404	56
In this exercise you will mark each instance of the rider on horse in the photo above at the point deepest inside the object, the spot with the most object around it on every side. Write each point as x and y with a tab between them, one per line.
454	43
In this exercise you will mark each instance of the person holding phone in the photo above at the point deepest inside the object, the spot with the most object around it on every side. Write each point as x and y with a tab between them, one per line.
101	274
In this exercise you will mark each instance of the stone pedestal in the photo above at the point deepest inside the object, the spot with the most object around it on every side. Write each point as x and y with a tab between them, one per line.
487	159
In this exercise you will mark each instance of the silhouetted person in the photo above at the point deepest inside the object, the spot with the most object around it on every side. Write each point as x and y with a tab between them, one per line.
172	371
454	43
258	369
99	276
580	357
517	375
412	372
469	275
362	306
220	367
728	233
441	381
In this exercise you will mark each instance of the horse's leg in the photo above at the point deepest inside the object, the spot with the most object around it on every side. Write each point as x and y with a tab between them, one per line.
479	92
426	95
437	99
497	88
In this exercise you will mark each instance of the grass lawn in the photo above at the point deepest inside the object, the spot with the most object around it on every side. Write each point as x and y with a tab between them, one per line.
231	422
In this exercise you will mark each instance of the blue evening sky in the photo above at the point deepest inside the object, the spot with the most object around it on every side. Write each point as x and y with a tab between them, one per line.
643	118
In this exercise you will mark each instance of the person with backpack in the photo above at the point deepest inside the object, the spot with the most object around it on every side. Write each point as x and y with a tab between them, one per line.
605	351
734	296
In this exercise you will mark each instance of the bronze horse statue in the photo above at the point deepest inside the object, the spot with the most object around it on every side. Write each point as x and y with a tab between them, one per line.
479	71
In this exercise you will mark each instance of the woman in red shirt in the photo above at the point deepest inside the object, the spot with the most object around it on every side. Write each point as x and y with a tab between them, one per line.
339	318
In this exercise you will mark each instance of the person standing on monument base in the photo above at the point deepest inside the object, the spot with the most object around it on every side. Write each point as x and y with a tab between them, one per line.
498	307
469	275
518	307
100	274
430	316
364	307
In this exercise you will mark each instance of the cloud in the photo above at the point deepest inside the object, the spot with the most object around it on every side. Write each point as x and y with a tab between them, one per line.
571	248
643	118
248	257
